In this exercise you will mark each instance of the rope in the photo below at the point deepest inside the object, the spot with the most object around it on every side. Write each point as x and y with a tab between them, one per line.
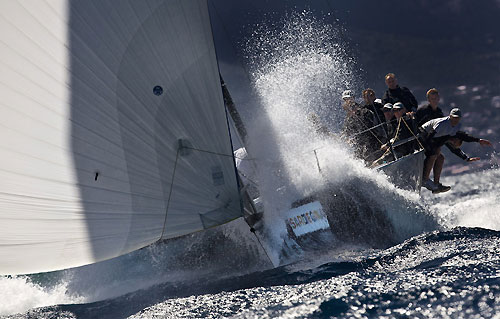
170	192
364	131
398	143
216	153
391	144
355	134
263	248
397	129
317	161
412	133
369	129
251	181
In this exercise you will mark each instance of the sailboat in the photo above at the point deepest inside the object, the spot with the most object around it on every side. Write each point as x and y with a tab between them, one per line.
114	132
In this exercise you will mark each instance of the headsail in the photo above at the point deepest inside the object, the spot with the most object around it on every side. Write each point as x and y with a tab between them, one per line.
113	132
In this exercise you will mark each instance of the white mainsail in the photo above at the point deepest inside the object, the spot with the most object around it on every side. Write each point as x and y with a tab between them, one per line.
113	132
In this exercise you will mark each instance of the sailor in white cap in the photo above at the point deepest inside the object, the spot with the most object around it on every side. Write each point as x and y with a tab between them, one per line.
356	130
347	94
349	103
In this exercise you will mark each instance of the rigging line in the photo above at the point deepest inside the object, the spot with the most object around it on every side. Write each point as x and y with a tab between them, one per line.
352	135
412	133
369	129
317	161
170	192
240	140
226	111
251	181
263	248
233	112
225	106
376	113
228	155
217	153
244	159
306	152
397	130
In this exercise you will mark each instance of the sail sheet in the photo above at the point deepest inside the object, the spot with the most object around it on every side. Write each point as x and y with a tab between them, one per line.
113	132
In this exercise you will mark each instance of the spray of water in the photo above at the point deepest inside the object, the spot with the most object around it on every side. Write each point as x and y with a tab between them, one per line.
20	293
299	69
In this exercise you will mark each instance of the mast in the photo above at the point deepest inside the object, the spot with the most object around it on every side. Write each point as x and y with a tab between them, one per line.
235	116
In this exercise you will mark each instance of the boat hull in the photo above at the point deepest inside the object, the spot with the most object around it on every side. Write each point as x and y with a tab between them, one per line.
351	213
406	172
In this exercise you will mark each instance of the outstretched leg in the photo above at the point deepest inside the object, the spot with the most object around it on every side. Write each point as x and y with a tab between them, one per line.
438	167
428	165
430	162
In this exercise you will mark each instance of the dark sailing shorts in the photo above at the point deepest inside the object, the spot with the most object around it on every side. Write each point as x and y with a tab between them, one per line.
430	147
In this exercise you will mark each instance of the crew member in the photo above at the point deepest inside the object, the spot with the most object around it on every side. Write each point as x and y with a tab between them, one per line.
436	133
431	110
395	94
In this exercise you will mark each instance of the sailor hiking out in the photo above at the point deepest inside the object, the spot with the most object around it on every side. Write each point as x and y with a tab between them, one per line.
436	133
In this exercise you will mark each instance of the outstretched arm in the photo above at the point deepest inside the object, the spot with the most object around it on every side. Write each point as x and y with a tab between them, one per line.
466	137
458	152
469	138
485	142
482	142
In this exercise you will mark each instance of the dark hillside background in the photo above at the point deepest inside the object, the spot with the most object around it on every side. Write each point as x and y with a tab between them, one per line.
451	45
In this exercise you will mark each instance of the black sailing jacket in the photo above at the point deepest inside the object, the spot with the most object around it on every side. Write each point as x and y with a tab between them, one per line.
402	95
426	113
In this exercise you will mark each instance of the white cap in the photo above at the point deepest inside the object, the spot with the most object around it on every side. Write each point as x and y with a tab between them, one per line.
456	112
398	105
347	94
388	106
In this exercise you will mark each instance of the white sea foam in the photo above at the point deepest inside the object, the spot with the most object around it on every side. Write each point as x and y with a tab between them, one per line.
20	293
472	202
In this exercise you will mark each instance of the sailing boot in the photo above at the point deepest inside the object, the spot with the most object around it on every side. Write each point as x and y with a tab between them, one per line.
441	188
430	185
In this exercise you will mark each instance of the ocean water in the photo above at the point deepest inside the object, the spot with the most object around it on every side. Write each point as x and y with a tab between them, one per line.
390	254
451	272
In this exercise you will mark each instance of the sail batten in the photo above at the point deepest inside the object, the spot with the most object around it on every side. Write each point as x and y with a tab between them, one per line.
96	96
